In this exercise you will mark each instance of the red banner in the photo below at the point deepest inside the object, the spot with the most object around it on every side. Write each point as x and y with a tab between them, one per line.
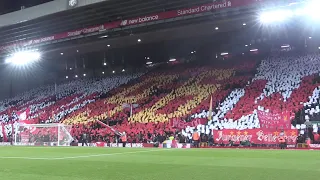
256	136
24	137
274	120
138	20
4	133
23	115
177	123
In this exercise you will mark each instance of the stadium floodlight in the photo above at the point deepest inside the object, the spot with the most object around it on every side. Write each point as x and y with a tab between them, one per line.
23	58
217	28
113	72
172	60
84	75
253	50
139	40
108	45
148	63
275	16
312	9
67	77
224	53
300	11
244	24
102	72
76	76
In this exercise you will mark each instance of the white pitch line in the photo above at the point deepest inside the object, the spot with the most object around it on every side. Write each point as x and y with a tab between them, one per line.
76	157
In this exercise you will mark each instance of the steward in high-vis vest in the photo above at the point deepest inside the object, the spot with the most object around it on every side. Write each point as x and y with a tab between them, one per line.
282	142
196	139
124	139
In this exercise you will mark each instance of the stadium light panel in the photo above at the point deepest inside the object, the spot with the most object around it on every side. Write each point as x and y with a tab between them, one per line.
23	58
285	46
312	9
309	10
105	36
300	11
275	16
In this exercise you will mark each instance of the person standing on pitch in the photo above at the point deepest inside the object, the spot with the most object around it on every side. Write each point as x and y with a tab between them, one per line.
196	138
84	139
124	139
282	142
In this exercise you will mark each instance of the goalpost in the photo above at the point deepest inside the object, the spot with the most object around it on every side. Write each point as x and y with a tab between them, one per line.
42	135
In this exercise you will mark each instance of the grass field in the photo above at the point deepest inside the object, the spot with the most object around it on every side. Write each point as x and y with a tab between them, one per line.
71	163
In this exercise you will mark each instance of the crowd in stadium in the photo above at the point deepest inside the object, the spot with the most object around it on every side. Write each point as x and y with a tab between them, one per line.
146	105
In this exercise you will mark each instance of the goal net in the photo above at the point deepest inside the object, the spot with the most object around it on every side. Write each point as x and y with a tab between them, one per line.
42	135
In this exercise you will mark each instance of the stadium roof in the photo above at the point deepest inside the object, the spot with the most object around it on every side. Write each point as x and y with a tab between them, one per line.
120	11
88	16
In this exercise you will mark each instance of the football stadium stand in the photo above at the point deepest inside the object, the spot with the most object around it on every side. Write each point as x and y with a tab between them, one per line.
177	100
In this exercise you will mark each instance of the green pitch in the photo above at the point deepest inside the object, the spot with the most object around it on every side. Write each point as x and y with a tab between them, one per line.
73	163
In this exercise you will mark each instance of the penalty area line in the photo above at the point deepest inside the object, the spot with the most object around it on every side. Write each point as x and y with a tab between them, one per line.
78	157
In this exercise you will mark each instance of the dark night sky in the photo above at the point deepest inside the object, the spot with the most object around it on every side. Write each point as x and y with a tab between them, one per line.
7	6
